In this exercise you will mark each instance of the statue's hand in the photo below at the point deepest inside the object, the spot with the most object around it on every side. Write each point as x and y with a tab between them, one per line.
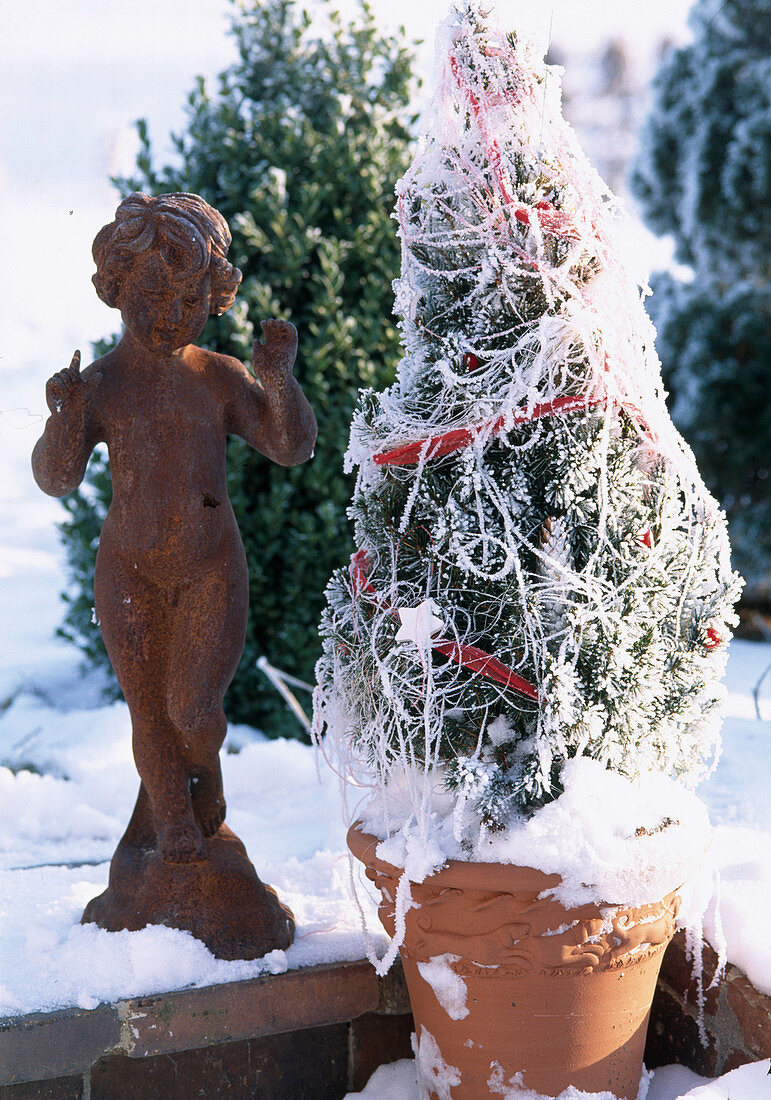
66	389
273	360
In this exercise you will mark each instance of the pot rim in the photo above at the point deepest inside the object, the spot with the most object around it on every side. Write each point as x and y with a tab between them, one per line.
455	873
477	875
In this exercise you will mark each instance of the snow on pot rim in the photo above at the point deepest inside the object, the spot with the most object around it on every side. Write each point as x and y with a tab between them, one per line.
368	849
606	839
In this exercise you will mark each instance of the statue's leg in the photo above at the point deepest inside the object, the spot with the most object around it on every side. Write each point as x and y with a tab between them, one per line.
134	619
207	639
140	831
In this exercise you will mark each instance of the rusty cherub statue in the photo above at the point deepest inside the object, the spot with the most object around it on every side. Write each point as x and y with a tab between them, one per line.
171	586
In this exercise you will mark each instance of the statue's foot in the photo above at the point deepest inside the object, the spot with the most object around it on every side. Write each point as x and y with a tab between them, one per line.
220	900
209	804
181	844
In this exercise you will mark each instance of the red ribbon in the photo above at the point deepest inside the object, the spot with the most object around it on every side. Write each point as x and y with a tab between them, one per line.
359	570
411	453
478	661
493	152
469	656
548	216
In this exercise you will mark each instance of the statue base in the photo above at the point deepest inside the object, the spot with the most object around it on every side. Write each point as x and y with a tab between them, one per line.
220	900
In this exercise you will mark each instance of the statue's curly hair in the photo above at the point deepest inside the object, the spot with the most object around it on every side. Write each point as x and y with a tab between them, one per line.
188	233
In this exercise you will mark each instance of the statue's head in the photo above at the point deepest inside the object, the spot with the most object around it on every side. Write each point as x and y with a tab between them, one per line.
180	232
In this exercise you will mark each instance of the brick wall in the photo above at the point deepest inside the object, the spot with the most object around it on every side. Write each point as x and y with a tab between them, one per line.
737	1018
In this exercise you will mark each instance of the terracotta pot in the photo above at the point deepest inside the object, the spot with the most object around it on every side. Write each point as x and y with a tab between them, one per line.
560	996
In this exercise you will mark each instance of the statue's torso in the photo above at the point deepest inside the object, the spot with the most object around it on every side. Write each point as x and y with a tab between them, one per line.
165	430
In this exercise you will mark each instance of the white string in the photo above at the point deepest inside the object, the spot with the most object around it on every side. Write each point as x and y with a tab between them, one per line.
388	703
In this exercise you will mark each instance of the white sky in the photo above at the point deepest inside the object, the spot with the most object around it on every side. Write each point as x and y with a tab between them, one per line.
76	74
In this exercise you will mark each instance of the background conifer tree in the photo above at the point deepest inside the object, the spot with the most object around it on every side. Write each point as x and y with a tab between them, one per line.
541	573
300	149
703	175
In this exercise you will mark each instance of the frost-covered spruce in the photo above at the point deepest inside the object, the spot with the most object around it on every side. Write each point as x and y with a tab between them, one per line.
541	573
702	176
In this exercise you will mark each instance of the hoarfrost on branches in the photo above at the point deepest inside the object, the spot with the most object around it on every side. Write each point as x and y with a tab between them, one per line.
523	476
701	176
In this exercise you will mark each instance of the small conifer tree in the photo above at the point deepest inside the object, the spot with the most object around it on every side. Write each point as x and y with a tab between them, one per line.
702	175
540	572
300	149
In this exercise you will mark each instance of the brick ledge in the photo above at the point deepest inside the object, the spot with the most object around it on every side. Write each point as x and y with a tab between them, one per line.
47	1045
272	1019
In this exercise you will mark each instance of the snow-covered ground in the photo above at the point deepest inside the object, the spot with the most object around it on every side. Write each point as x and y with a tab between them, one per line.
398	1082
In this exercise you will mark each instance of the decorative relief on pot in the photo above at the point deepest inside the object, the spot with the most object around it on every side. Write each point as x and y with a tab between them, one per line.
507	934
480	927
618	939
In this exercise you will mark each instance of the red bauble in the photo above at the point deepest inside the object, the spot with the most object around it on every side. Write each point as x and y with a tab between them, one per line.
713	639
470	361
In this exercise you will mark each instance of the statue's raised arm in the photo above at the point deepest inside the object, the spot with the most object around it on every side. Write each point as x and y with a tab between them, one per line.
61	455
273	414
